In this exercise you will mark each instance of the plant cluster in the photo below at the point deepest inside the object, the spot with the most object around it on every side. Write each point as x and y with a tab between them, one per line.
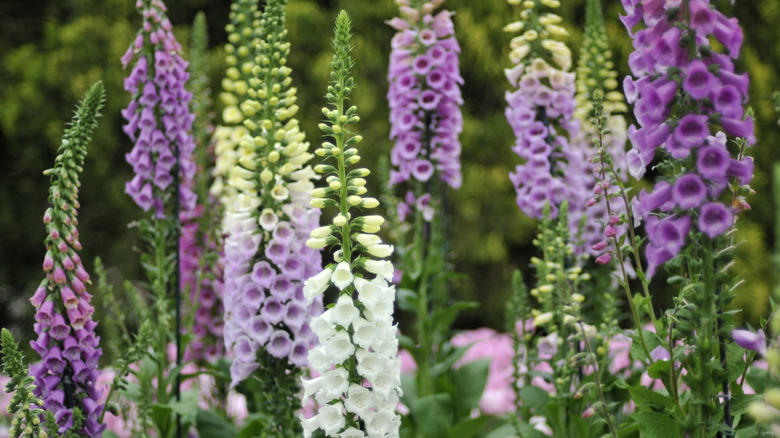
272	305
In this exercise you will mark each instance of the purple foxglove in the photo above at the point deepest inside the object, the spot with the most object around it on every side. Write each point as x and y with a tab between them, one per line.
66	341
158	116
540	112
683	97
424	98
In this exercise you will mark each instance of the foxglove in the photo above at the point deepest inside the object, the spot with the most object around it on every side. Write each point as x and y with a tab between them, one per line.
425	98
687	99
268	216
541	114
67	342
359	381
243	36
159	121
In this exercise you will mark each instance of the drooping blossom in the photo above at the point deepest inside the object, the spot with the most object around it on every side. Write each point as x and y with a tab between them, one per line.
159	121
424	96
541	113
268	217
67	342
357	333
688	101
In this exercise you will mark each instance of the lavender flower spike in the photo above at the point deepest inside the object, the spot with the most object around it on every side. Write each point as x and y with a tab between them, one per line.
424	96
268	216
159	121
540	112
66	341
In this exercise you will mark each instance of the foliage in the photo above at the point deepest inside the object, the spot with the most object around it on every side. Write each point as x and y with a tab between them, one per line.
66	46
24	404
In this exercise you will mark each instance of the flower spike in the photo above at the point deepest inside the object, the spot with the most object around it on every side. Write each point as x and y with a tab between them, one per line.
540	112
359	384
267	196
66	341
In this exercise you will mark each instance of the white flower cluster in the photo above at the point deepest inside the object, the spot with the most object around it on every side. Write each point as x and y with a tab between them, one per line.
357	344
358	374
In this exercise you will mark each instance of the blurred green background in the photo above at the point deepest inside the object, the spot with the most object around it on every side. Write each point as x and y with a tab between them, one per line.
50	51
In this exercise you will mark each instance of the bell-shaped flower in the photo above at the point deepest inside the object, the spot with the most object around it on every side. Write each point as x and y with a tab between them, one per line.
382	268
331	418
334	385
345	312
750	340
316	285
359	400
342	275
715	219
339	347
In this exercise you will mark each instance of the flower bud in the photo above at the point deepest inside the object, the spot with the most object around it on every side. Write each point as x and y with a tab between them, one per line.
322	232
339	221
369	203
316	243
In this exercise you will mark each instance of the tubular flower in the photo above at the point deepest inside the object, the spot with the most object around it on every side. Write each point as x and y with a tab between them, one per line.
269	218
159	121
359	382
683	91
66	341
199	244
540	112
424	96
243	37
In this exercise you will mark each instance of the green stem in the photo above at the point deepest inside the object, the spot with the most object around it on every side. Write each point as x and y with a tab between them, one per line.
605	406
704	344
619	252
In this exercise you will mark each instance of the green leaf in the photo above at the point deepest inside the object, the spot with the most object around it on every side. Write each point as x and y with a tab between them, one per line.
161	415
659	370
656	425
756	378
735	362
470	381
637	351
253	426
505	431
109	434
469	427
647	397
740	403
407	299
211	425
406	342
446	363
445	317
628	429
187	407
535	398
433	414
